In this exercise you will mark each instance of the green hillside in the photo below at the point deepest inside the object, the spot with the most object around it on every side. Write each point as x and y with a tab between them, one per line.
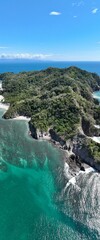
58	99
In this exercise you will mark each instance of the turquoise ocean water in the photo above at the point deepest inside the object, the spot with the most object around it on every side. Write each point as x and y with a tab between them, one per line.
36	201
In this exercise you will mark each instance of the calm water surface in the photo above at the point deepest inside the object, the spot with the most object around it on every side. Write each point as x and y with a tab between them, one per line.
20	65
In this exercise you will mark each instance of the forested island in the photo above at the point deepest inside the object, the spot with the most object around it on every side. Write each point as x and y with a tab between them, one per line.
61	106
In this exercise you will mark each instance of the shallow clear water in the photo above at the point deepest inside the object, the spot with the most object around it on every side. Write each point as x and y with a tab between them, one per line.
36	201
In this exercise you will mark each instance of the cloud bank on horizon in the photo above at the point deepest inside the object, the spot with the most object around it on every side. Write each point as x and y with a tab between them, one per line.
25	56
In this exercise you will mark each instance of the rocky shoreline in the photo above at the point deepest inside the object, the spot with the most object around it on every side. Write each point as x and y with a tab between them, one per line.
76	157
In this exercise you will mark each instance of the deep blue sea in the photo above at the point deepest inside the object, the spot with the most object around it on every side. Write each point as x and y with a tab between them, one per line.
37	200
19	65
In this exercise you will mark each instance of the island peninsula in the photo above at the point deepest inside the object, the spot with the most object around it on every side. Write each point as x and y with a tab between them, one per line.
61	107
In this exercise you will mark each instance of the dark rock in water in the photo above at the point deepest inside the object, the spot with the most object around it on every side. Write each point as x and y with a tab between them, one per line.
72	156
33	131
3	166
69	148
65	147
73	167
82	168
78	160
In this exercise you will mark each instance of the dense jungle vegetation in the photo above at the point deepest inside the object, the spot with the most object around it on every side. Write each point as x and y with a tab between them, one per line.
60	99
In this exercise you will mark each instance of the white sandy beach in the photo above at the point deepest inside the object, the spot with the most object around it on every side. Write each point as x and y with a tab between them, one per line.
46	137
97	126
1	86
1	98
3	105
96	139
6	106
22	118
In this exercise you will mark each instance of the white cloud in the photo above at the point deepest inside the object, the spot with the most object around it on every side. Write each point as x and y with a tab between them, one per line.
55	13
94	10
25	56
1	47
78	4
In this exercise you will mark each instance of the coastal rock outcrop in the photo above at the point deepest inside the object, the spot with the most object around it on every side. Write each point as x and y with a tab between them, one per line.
55	137
82	151
33	131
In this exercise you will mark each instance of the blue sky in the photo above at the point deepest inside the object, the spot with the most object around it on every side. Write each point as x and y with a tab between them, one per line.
50	29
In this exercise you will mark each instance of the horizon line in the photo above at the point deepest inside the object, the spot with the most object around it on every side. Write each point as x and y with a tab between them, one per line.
45	60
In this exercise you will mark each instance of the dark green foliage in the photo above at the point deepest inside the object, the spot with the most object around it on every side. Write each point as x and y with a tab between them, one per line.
57	98
93	149
97	114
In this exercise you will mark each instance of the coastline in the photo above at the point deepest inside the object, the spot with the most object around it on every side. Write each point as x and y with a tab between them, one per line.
6	107
96	139
2	104
75	162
